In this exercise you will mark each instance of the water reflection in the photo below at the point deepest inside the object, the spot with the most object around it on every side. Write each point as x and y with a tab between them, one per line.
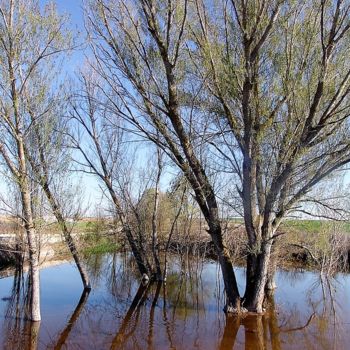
62	338
19	332
185	313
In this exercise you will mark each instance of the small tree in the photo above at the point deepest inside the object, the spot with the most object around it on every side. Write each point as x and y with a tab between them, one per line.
49	159
103	154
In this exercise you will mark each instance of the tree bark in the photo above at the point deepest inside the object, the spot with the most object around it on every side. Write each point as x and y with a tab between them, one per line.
233	300
33	254
155	250
35	314
257	272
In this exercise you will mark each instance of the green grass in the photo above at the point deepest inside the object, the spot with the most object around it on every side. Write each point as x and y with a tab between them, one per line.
306	226
100	247
85	225
310	226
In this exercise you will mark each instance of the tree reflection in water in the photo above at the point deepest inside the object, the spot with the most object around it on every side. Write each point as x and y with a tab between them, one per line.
19	332
181	314
70	324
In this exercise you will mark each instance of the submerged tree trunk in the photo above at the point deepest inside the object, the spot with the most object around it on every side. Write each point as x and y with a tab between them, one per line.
141	259
257	272
73	249
271	273
233	300
34	312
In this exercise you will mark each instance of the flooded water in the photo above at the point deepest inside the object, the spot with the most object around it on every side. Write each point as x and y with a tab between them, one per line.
308	311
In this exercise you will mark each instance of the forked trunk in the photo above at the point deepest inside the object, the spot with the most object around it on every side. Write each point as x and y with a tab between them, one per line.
257	272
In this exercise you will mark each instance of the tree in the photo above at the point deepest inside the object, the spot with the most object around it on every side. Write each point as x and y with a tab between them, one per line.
46	151
278	78
103	154
264	83
140	55
30	40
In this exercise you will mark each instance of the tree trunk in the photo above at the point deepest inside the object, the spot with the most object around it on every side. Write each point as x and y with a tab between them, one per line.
257	272
67	235
271	273
30	230
73	249
155	250
33	256
233	300
250	277
137	252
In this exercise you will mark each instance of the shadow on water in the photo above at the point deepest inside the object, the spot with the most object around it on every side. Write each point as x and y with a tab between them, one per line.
184	313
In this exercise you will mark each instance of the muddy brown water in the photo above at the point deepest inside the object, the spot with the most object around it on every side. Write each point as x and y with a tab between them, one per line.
308	311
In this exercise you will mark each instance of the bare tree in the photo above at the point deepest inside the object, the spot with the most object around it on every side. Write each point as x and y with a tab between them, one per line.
102	154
